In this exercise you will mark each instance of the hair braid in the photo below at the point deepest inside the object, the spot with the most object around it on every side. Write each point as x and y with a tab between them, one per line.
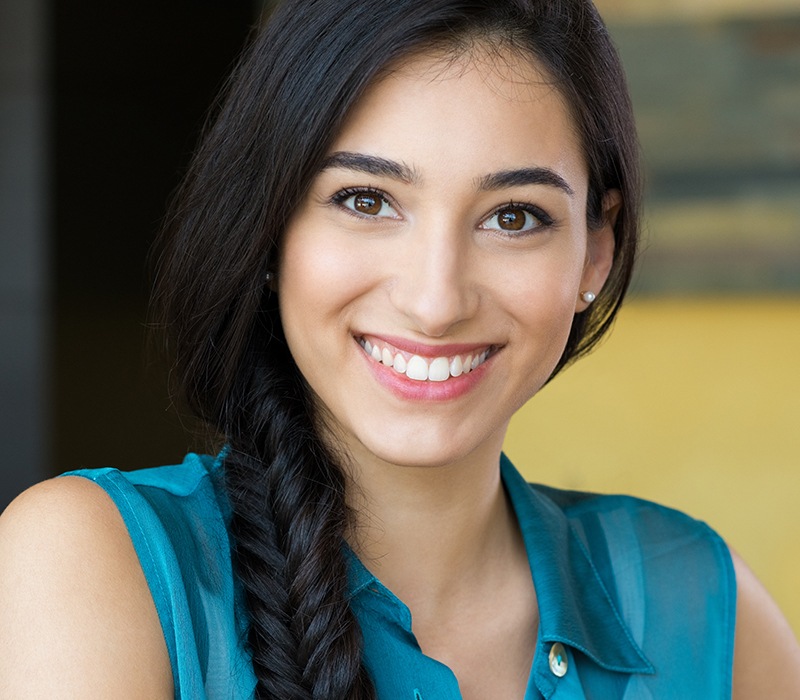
288	521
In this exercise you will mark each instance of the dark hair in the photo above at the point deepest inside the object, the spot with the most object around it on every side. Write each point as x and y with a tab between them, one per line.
282	107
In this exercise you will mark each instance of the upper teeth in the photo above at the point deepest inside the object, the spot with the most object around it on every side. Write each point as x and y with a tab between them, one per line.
437	369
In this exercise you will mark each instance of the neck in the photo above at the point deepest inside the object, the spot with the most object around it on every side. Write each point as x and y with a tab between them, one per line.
434	535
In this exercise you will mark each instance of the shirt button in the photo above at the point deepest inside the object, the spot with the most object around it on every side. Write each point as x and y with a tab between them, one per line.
558	660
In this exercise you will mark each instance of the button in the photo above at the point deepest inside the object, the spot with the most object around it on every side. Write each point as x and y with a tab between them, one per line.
558	660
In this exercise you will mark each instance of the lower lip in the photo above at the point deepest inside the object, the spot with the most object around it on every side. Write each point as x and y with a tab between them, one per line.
412	390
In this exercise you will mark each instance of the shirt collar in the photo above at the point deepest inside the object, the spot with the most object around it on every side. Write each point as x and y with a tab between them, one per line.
575	607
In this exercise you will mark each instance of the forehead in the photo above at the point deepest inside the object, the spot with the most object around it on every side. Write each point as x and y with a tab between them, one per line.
483	102
513	74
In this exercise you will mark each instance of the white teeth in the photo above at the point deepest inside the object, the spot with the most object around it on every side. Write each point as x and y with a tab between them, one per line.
439	370
417	369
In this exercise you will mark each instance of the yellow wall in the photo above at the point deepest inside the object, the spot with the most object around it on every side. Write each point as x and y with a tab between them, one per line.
695	404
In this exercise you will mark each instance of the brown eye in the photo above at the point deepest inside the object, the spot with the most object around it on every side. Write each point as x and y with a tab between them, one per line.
368	204
512	219
517	219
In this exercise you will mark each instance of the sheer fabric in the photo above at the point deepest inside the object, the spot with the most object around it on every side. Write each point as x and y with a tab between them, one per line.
636	600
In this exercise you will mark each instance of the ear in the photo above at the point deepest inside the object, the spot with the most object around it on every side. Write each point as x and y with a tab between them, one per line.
600	249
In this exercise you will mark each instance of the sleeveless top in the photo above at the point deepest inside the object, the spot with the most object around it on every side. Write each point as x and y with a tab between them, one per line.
636	601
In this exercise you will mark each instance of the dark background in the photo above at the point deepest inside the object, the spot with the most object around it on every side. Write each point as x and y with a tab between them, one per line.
102	104
131	85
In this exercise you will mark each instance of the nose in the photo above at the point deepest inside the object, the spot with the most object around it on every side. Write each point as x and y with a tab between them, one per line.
435	286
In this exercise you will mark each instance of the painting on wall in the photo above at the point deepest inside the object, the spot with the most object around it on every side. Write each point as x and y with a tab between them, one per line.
717	97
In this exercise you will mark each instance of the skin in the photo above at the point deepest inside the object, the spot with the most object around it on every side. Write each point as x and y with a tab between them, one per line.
429	266
76	619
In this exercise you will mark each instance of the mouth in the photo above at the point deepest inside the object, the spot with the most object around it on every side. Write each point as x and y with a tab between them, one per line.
419	368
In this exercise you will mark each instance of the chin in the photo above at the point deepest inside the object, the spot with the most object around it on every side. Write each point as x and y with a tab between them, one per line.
432	450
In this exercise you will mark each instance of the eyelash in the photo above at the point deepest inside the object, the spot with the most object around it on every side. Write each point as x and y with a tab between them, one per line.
342	196
543	219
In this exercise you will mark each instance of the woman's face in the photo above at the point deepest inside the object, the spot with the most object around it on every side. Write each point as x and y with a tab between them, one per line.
429	280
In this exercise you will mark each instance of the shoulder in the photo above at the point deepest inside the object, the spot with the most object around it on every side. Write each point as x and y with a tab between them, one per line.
175	516
76	611
767	655
670	578
638	525
640	548
624	534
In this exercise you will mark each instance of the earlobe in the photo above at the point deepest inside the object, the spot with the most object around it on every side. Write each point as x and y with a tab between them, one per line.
599	252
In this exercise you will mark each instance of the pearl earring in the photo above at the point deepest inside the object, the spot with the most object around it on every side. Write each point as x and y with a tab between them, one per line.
588	297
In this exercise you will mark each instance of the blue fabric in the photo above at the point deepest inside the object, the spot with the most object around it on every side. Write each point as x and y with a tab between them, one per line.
641	597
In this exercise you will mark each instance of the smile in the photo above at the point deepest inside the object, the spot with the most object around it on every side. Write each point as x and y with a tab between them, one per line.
420	369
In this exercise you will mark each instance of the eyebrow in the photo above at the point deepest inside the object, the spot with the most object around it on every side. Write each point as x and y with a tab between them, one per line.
371	165
524	176
383	167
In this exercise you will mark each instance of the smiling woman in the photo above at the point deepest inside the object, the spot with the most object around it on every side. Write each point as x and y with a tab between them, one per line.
446	231
399	227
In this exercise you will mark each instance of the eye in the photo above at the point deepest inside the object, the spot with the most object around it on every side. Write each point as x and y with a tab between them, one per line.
368	203
517	218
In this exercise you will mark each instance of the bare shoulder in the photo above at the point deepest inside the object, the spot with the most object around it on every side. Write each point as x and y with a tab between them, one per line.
767	654
76	615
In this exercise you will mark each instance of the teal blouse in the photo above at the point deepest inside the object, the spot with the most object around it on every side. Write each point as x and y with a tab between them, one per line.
636	601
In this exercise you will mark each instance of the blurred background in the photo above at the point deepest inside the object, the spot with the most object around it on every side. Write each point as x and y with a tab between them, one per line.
694	401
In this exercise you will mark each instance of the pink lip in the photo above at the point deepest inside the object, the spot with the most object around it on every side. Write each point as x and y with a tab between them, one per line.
424	350
410	390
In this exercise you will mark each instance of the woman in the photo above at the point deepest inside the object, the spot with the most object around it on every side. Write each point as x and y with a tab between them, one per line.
404	221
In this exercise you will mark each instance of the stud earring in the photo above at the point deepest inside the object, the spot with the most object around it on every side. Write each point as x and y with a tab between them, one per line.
269	278
588	297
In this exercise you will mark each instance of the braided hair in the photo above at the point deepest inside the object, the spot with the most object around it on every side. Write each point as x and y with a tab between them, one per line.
281	109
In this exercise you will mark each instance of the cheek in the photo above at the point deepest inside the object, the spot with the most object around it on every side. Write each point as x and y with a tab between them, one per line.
545	319
544	291
541	301
317	279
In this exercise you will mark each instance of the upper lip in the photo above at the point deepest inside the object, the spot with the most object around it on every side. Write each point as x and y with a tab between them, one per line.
425	350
